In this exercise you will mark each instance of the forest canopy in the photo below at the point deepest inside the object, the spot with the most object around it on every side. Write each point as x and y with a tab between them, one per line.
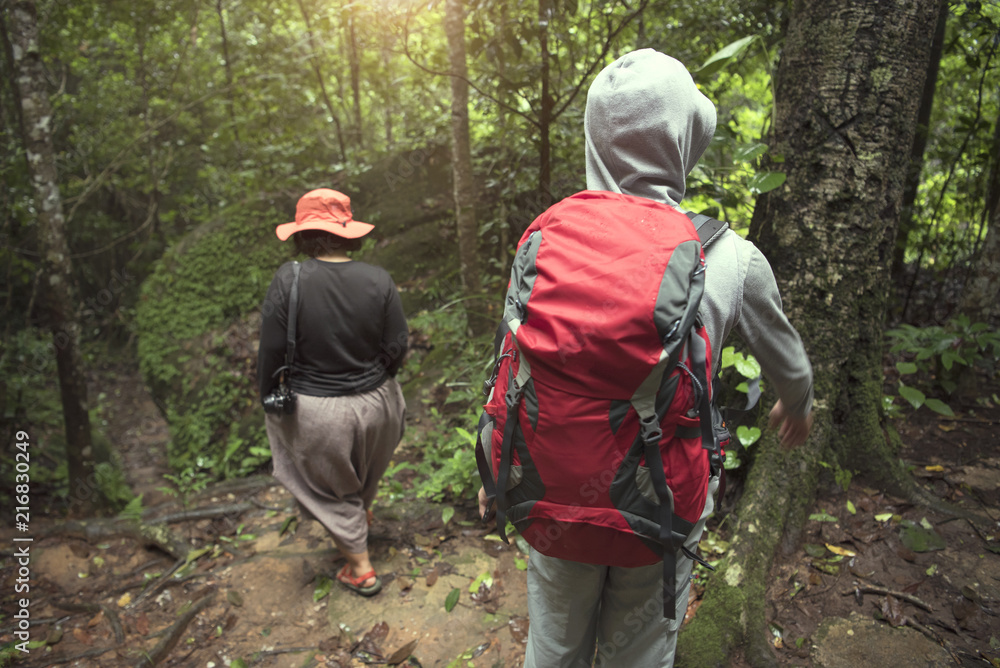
182	131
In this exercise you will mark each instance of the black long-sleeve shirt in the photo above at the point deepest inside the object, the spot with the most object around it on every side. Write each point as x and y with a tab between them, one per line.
351	333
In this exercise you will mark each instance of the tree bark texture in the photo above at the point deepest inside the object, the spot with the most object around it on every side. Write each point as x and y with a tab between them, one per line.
982	294
461	154
37	130
848	88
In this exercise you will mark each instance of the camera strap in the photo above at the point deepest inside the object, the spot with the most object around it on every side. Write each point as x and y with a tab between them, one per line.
293	316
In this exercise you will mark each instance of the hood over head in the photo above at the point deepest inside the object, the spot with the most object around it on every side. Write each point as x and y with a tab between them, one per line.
646	126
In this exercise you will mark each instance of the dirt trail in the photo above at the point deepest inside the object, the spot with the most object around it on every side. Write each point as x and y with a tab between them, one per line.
274	601
110	601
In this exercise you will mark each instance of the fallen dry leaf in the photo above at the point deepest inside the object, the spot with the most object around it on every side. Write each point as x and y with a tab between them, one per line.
401	654
142	624
892	610
844	552
82	636
519	629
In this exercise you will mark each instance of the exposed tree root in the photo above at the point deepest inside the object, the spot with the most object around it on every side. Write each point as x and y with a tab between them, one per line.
213	512
160	537
163	648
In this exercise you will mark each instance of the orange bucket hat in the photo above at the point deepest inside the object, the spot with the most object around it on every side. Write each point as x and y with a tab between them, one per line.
326	210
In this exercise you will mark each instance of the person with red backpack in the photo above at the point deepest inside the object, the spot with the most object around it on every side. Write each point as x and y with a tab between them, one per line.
597	441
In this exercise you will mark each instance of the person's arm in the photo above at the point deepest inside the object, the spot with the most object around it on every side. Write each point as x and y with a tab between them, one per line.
778	347
395	335
273	337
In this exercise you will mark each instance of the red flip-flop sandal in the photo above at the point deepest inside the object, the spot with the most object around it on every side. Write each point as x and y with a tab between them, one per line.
355	583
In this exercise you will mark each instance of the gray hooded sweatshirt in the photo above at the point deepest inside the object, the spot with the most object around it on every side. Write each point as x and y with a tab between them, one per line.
646	125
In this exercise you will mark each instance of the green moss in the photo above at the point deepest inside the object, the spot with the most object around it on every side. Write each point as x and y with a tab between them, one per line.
194	338
707	640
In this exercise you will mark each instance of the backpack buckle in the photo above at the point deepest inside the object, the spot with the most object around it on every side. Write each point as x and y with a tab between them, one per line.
650	430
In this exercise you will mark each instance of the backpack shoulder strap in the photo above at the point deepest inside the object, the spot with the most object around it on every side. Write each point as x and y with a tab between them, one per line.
709	229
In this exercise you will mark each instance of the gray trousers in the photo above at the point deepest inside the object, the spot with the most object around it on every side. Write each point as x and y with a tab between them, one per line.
584	615
331	453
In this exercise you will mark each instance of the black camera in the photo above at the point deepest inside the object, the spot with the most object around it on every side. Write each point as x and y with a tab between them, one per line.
280	401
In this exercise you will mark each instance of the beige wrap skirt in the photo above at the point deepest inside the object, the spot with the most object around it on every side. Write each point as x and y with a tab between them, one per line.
331	452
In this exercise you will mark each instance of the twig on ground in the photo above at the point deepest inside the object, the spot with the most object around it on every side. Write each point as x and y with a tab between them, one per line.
160	582
264	506
283	650
94	608
909	621
90	653
882	591
116	624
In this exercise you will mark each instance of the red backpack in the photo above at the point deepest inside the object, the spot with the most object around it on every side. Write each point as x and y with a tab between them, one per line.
597	441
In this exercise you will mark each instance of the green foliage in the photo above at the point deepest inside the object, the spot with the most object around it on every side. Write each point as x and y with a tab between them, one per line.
28	365
448	467
133	509
935	357
113	484
737	166
447	380
189	481
739	368
949	213
712	548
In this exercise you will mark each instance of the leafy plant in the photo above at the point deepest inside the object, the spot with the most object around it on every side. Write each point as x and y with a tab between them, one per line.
712	548
188	482
448	379
742	367
448	464
936	356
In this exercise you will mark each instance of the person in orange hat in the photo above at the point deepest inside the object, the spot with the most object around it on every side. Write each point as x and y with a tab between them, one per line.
350	338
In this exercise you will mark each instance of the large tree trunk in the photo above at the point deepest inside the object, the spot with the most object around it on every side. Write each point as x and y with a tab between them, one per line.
982	294
37	130
461	153
848	87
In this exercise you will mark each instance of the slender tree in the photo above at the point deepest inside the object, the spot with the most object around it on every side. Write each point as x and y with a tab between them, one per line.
461	155
317	67
847	92
37	136
982	295
227	64
907	218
